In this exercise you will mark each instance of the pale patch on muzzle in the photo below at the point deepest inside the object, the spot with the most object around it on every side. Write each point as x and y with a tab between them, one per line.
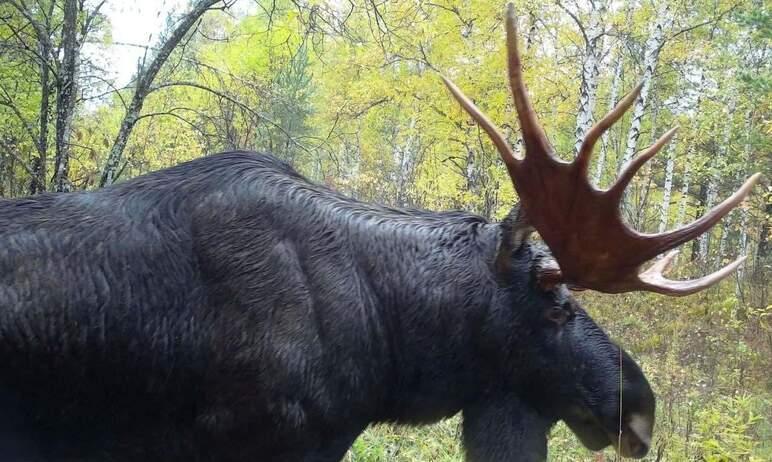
636	436
641	425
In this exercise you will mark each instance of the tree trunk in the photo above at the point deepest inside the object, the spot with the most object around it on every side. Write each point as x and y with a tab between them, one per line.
651	55
742	248
684	199
716	167
145	77
405	160
724	150
742	243
644	191
38	179
590	71
709	195
762	250
65	102
612	101
667	187
697	243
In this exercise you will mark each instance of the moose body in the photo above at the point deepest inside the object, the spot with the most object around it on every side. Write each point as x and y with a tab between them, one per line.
228	309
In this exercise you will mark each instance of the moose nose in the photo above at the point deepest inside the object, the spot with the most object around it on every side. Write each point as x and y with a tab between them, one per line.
638	449
633	447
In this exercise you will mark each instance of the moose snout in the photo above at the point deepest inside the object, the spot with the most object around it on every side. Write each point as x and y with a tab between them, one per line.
636	437
633	447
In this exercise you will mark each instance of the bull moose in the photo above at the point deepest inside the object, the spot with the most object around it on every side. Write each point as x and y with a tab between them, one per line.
227	309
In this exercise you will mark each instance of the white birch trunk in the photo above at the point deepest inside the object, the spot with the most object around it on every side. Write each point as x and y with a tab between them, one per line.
667	187
612	101
590	71
65	101
404	158
651	55
145	78
725	228
743	241
704	243
683	201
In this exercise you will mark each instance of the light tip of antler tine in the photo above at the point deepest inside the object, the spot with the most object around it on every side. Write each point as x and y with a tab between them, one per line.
634	93
746	188
454	90
654	281
663	264
671	255
754	178
511	21
670	134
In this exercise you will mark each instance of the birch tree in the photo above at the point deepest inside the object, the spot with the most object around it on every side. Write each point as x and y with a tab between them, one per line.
612	101
651	56
592	35
742	245
714	177
31	36
144	86
65	101
667	187
684	199
73	38
53	43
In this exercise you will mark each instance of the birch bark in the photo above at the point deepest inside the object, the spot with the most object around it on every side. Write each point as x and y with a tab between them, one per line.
144	79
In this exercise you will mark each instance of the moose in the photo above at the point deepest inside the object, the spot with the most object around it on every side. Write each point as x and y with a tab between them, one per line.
228	309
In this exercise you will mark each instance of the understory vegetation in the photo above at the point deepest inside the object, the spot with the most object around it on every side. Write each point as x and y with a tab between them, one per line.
349	93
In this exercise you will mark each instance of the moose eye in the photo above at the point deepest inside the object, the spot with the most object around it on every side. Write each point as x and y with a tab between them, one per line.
558	314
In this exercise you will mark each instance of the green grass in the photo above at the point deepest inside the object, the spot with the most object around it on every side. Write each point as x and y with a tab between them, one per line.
441	442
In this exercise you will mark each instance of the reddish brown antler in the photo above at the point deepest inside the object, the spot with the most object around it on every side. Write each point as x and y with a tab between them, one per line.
582	225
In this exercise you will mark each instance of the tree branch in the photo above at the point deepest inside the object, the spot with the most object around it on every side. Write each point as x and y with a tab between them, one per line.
8	102
12	152
236	102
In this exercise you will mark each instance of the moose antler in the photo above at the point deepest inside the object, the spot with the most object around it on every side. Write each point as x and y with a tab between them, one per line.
582	225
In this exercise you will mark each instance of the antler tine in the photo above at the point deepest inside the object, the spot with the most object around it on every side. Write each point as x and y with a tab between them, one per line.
653	280
533	134
671	239
490	128
597	130
632	167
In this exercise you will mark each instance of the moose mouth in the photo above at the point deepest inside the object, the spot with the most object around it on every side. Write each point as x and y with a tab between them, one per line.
633	441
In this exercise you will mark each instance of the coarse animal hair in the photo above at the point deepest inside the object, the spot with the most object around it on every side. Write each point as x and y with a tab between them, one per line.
228	309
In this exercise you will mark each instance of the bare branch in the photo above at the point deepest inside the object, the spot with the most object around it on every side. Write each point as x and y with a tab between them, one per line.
236	102
577	21
8	102
12	152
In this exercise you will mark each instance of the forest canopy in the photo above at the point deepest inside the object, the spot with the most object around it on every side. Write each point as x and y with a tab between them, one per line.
349	93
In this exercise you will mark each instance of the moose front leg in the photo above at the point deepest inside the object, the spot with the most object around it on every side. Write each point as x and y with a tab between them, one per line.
503	428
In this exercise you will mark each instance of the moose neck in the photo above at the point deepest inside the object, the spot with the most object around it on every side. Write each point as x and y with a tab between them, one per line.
434	283
401	297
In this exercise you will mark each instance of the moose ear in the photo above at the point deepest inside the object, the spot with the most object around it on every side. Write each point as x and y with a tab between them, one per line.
515	231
